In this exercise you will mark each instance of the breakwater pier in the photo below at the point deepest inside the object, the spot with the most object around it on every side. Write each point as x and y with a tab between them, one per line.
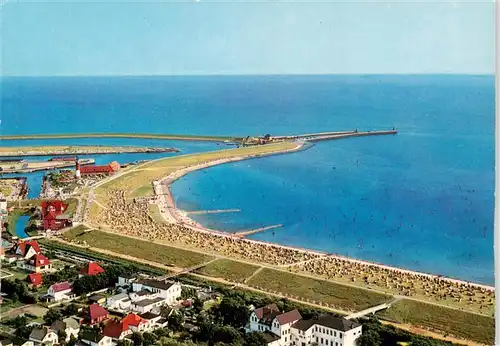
80	150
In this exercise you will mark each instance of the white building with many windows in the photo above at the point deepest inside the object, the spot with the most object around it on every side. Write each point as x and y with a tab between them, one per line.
169	291
289	329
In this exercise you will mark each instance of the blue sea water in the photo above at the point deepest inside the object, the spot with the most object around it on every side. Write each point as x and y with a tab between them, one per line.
422	199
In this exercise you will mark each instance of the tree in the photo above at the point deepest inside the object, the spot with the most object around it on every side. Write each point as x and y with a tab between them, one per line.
188	292
197	305
255	339
52	315
71	309
123	342
149	339
234	311
137	339
369	338
175	320
62	336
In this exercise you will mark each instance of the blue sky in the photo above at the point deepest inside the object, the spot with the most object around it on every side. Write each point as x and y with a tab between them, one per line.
133	38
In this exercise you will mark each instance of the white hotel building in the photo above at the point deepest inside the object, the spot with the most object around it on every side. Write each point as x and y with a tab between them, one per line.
289	329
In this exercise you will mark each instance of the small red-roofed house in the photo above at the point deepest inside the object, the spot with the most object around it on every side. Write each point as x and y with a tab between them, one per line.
96	314
37	264
131	323
91	268
116	330
27	249
35	279
53	216
136	323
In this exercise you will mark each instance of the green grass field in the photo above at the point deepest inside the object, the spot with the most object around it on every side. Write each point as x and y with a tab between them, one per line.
458	323
75	232
336	295
162	254
228	269
138	180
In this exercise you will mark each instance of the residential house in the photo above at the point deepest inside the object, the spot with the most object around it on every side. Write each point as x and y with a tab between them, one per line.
91	268
96	314
97	299
27	343
70	326
92	338
326	330
26	249
43	336
53	216
141	295
170	291
154	320
5	342
60	291
37	263
35	279
147	305
126	280
117	330
119	302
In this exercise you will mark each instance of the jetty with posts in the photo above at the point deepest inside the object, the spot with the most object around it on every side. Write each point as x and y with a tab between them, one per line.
253	231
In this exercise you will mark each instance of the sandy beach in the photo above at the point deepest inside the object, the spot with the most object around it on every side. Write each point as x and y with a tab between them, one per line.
133	218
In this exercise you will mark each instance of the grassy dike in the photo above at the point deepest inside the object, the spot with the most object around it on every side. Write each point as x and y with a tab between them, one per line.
449	321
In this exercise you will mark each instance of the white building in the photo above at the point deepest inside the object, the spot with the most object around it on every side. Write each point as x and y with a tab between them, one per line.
94	339
70	325
43	335
169	291
125	280
269	319
147	305
326	330
118	302
60	291
289	329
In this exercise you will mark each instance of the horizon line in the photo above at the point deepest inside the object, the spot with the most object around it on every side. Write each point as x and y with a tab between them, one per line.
251	75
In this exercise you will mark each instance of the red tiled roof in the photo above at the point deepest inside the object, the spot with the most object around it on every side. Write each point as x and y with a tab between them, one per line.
260	312
61	286
133	320
35	279
288	317
24	246
114	329
112	167
91	268
39	260
96	311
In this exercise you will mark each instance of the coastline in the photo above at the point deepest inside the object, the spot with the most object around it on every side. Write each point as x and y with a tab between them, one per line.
172	214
